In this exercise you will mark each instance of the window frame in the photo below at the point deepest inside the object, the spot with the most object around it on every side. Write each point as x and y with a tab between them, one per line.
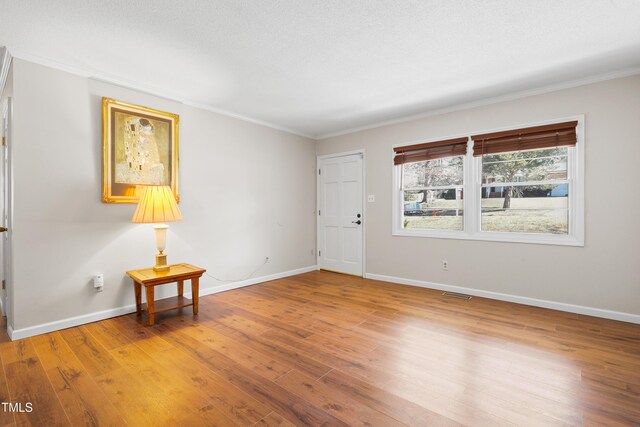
472	185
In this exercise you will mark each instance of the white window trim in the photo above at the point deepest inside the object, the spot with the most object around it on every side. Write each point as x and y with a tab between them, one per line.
472	199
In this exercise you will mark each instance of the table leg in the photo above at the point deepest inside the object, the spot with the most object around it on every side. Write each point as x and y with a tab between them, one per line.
180	288
195	288
150	305
138	290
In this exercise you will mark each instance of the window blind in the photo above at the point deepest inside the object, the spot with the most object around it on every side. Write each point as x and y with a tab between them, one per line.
532	138
430	151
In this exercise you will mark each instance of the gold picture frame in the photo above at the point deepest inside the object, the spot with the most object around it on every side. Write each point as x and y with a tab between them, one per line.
139	147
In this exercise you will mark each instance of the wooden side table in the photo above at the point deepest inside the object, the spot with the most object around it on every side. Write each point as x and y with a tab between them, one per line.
150	279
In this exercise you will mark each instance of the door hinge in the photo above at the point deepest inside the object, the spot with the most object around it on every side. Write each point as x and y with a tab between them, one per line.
319	212
4	140
4	284
319	254
319	171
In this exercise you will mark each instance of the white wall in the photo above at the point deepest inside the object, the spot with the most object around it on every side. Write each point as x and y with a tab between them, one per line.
604	274
247	192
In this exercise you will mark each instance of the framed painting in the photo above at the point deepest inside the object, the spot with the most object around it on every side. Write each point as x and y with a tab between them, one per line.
139	147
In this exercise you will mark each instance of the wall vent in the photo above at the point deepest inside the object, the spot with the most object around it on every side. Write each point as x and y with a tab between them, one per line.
456	295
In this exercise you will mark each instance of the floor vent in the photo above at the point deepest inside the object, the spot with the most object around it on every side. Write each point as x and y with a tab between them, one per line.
455	295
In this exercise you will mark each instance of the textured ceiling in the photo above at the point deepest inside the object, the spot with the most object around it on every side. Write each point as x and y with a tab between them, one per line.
320	67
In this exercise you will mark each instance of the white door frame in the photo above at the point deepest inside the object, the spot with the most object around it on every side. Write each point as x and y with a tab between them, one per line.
360	151
7	261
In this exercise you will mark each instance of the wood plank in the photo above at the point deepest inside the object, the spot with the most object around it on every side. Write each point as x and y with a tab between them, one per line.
209	415
202	353
235	321
384	401
28	383
214	306
140	334
171	388
345	361
334	401
236	405
107	334
93	355
6	418
274	420
291	407
239	353
289	355
82	400
284	355
135	401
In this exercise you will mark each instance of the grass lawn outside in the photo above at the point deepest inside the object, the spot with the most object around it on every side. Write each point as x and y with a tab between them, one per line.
527	215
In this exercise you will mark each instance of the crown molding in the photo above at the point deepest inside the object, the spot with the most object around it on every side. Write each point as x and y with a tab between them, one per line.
248	119
5	63
127	84
627	72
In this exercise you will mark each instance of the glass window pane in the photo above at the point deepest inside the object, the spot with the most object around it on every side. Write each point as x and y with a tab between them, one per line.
526	209
520	166
433	209
431	173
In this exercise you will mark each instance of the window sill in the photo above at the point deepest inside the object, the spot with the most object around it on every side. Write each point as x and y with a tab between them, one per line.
539	239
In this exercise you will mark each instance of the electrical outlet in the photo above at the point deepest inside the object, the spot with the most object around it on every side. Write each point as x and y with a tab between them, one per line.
266	260
371	198
98	282
445	265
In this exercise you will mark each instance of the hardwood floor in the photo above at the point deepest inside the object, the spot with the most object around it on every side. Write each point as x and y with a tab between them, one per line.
328	349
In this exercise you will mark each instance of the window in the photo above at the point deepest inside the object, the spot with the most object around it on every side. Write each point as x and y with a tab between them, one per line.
432	177
432	194
519	185
525	191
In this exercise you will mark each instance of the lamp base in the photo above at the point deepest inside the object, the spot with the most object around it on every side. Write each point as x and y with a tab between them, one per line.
161	263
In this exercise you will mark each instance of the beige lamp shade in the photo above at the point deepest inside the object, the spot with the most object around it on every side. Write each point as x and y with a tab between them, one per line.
156	204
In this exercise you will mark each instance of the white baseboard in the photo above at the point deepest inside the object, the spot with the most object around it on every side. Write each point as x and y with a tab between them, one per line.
571	308
235	285
57	325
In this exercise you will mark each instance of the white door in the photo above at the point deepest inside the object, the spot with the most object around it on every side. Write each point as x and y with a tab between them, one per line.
340	215
5	210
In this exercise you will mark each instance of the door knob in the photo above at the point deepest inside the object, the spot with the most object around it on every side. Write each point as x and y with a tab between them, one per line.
356	222
3	229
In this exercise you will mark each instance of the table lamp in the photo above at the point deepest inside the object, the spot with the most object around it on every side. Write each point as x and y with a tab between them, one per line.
157	205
